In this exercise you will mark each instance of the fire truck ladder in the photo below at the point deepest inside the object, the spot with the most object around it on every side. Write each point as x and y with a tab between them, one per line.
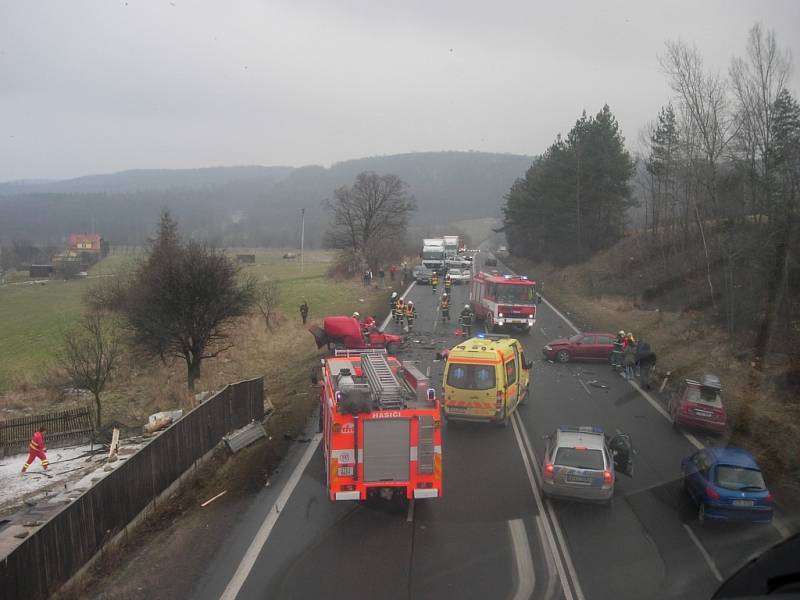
384	385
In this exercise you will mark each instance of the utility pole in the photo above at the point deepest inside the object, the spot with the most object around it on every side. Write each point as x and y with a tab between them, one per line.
302	237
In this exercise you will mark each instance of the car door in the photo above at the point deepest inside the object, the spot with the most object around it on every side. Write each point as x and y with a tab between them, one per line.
583	347
511	368
603	345
697	479
621	448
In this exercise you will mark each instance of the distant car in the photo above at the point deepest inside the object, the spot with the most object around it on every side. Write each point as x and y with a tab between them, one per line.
579	462
727	485
459	276
82	274
699	405
422	274
583	346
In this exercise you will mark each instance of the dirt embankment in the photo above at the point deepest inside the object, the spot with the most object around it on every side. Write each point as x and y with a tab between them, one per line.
761	396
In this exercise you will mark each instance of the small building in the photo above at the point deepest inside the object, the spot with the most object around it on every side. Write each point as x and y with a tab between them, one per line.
246	259
40	271
85	242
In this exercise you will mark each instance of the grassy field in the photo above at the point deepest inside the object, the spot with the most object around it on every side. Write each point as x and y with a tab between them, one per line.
33	316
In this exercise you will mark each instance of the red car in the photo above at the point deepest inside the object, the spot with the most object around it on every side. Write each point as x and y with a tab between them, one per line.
699	405
347	332
583	346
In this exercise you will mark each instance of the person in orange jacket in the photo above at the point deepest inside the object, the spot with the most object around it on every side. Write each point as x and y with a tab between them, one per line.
36	450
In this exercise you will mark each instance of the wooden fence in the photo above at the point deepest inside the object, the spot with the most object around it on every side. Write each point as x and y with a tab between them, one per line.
59	548
71	426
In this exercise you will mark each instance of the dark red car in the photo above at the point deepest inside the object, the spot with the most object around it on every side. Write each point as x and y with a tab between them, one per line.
699	405
349	333
582	346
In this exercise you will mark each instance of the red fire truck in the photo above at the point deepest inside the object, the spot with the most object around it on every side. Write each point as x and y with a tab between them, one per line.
381	422
502	300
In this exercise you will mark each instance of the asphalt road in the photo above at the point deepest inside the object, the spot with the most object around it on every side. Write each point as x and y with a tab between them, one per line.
491	535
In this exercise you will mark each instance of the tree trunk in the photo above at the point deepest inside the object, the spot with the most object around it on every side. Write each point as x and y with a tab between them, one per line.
192	371
97	410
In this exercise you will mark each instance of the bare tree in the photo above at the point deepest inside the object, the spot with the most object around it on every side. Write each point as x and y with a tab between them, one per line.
90	354
267	297
369	215
757	80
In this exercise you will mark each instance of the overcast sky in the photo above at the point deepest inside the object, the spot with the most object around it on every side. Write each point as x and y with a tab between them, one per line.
94	87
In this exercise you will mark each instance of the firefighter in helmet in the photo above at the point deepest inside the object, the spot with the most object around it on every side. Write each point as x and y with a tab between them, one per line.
444	305
466	317
392	302
448	283
411	314
399	312
434	281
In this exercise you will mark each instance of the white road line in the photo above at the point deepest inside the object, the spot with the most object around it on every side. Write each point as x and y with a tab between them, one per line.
660	409
410	516
558	312
704	552
250	557
548	557
526	575
556	524
403	296
584	386
542	331
551	542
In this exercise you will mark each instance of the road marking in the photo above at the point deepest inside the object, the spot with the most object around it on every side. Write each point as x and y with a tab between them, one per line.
526	575
410	516
548	557
402	297
704	552
553	517
551	542
250	557
558	312
660	409
584	386
542	331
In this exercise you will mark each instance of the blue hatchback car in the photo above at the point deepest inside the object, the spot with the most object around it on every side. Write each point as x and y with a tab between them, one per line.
727	485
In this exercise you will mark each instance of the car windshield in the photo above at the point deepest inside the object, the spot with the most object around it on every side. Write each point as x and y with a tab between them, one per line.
514	293
704	395
432	255
579	458
470	377
738	478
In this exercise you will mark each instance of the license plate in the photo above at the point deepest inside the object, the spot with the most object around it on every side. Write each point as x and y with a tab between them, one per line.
743	503
457	409
345	471
580	479
702	413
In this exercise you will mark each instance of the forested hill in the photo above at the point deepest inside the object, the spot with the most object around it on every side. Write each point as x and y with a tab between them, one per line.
250	205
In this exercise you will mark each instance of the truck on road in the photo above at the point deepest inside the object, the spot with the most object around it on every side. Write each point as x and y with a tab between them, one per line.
381	425
433	254
503	300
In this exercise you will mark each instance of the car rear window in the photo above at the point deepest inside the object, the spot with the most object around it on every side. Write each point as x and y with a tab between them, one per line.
580	459
471	377
739	478
704	395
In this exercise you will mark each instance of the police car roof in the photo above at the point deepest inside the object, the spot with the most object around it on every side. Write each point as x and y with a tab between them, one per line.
590	437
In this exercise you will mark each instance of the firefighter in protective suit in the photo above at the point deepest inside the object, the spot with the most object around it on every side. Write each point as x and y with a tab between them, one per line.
448	283
444	305
434	281
399	312
465	318
392	302
411	314
37	449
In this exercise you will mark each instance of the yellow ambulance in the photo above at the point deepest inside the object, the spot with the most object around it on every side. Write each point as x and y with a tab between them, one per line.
485	379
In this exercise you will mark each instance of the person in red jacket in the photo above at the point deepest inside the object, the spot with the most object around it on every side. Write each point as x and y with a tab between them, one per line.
36	450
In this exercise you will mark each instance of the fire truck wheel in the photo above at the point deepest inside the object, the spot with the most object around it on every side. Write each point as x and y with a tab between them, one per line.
563	356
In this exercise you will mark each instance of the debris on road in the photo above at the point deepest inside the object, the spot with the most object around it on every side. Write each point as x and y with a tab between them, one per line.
210	500
157	425
597	384
245	436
